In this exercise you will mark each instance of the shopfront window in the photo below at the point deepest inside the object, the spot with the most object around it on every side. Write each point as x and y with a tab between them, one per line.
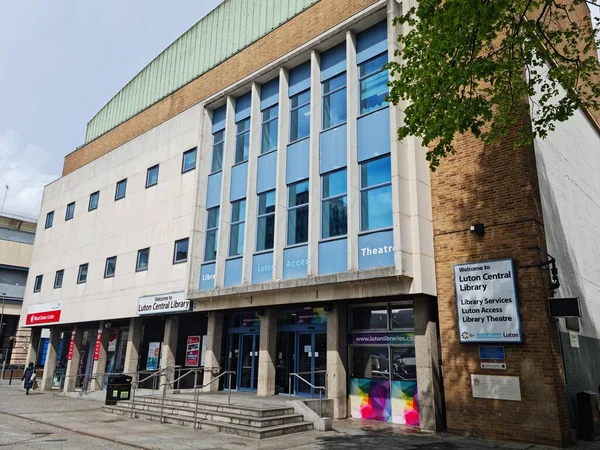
370	363
370	317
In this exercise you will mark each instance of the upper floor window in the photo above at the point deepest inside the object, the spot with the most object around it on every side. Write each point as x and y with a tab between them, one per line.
70	211
238	218
217	154
37	286
270	122
334	101
143	258
180	252
152	176
83	273
212	231
110	267
373	78
189	161
242	141
334	203
121	189
376	194
58	279
297	213
94	198
49	219
265	234
300	116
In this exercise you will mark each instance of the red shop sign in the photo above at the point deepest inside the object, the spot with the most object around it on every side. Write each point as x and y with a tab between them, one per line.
98	344
40	318
71	347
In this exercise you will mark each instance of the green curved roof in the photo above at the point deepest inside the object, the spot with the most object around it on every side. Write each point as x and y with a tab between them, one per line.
226	30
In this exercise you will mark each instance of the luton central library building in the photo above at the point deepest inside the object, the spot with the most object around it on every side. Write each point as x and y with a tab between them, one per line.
244	205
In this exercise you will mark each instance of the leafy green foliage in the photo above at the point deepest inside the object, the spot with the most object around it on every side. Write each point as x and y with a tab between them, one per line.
471	66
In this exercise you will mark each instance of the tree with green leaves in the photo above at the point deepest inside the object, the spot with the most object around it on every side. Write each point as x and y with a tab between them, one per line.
473	65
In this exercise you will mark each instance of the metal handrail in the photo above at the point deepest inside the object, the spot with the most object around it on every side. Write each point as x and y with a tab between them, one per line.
321	389
172	383
135	384
197	397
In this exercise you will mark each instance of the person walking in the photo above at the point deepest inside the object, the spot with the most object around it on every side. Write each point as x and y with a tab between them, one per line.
28	378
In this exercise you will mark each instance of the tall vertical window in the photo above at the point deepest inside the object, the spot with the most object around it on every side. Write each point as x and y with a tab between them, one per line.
49	219
37	285
373	78
334	203
266	221
297	213
270	122
180	252
121	189
238	217
217	154
242	141
143	259
212	229
376	194
70	211
189	161
82	274
152	176
58	279
94	198
110	267
334	101
300	116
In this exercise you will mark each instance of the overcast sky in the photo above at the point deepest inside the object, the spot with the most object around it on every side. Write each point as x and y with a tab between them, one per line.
60	62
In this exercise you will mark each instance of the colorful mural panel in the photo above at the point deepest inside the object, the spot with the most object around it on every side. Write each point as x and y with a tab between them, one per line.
386	401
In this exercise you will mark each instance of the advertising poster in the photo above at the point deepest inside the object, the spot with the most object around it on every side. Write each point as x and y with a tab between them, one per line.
153	356
203	354
112	340
192	353
98	345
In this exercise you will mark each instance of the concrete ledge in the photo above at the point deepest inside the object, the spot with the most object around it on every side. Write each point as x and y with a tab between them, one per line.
319	423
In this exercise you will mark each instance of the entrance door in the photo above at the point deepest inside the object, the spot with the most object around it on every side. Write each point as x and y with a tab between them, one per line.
248	363
312	362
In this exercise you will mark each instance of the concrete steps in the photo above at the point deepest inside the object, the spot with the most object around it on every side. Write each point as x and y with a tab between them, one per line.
242	420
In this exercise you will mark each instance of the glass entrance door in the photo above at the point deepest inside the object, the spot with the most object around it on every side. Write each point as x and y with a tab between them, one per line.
248	362
312	362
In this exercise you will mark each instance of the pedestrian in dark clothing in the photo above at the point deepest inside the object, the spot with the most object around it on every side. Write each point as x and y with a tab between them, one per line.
28	378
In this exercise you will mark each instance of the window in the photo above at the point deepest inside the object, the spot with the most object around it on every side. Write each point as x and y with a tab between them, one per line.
266	221
94	198
70	211
238	217
373	317
334	204
152	176
334	101
370	363
242	141
297	213
82	274
180	253
402	319
142	260
58	279
373	80
189	161
110	267
212	229
376	194
121	189
299	116
270	122
217	156
49	219
37	286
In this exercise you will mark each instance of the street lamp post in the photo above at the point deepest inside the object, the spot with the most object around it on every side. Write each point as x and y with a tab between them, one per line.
1	343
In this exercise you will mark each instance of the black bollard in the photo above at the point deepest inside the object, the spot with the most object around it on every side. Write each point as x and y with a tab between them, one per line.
11	376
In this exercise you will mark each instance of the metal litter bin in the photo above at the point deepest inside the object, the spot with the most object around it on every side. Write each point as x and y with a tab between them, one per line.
118	388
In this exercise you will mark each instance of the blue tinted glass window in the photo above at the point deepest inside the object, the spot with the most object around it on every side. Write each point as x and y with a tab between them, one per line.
334	205
217	156
121	189
335	183
152	176
82	274
49	219
373	84
270	123
334	101
110	267
37	286
242	143
180	253
70	211
265	232
189	160
58	279
376	194
300	116
298	213
236	238
94	198
143	259
212	228
376	171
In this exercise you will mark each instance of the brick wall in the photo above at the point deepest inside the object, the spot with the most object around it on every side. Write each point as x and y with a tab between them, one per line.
497	186
311	23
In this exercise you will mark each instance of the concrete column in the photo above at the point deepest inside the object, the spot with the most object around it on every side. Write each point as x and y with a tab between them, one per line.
169	347
314	190
214	336
33	347
134	342
73	363
267	358
429	373
336	383
100	363
50	364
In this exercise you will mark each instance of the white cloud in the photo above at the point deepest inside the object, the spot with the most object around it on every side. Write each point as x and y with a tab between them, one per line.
26	169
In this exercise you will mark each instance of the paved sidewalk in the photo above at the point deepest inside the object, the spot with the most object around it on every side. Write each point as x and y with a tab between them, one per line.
43	420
